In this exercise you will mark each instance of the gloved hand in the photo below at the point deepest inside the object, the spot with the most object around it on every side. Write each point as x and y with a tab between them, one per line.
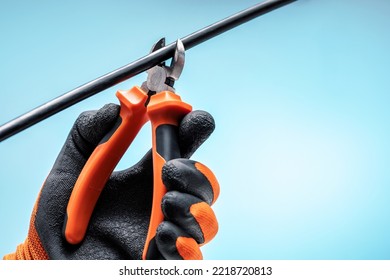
119	223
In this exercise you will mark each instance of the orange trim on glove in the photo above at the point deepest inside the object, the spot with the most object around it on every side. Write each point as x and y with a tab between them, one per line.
188	249
211	178
206	219
32	248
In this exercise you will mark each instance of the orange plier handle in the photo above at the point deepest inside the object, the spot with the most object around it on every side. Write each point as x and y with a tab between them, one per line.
164	110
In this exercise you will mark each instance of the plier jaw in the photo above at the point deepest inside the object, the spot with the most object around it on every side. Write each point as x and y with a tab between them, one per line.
161	77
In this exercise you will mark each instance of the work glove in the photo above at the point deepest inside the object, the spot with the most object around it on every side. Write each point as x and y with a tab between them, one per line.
119	223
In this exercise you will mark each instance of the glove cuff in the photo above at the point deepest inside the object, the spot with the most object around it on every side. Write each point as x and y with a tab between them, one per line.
22	253
32	248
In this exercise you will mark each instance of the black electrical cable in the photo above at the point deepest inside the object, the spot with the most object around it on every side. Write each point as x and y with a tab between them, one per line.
130	70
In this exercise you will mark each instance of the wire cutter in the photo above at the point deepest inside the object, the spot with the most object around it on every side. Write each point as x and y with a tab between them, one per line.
156	101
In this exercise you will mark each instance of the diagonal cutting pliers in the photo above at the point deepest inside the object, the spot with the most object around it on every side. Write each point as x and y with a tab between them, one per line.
154	101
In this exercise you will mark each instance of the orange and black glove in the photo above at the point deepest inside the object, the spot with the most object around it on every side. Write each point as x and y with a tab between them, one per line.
119	223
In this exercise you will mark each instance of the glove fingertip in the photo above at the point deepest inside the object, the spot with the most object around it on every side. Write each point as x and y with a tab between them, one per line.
194	130
93	125
107	115
191	177
206	220
212	180
175	244
188	248
192	214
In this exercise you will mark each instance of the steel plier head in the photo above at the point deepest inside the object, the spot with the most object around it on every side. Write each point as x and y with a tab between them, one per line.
162	77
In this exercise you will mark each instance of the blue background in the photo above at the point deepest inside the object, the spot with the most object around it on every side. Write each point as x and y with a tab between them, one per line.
300	97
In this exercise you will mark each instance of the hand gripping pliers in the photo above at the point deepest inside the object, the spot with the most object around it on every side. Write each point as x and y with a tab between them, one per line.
156	101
